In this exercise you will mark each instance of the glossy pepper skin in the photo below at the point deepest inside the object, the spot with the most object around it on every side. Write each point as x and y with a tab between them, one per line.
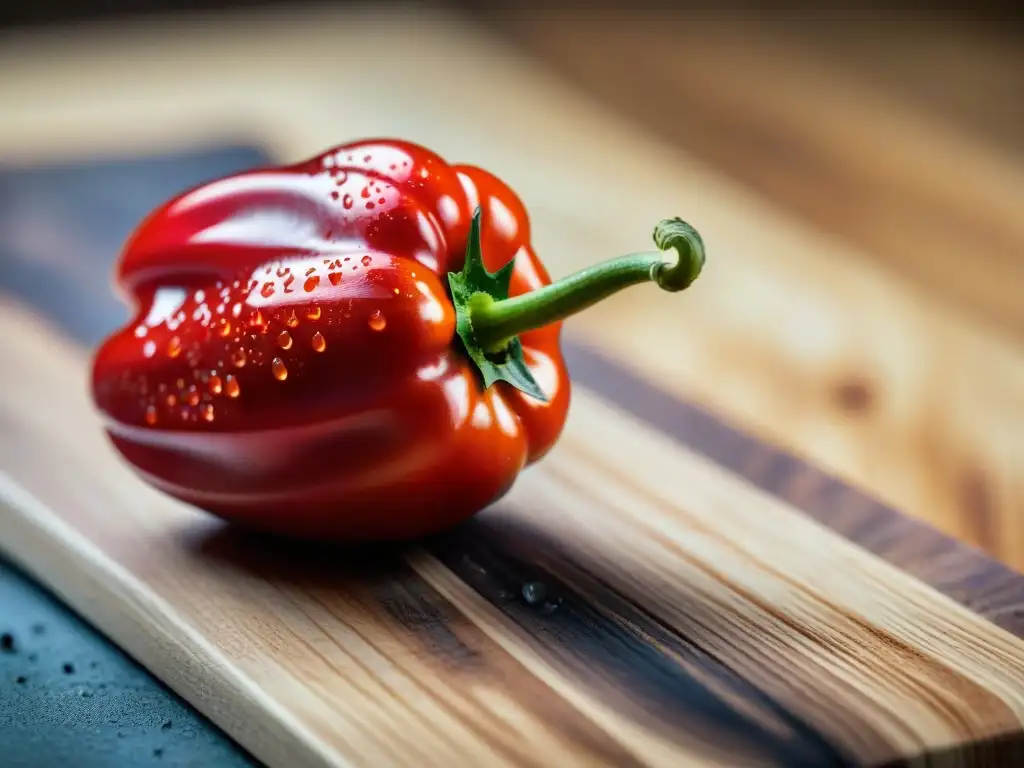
292	363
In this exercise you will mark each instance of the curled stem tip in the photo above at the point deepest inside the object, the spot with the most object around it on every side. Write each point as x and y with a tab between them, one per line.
689	246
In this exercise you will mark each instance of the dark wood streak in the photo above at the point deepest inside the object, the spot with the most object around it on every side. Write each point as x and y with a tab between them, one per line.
374	585
612	647
852	639
999	752
954	568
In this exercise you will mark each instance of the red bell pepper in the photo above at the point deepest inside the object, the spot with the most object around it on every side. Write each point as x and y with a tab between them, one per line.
320	350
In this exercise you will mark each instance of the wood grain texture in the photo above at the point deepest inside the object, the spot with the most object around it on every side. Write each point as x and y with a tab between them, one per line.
661	590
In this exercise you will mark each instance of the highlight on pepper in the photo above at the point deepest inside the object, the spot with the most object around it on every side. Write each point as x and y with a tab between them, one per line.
359	346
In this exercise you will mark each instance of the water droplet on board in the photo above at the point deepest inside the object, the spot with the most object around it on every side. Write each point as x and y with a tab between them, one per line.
370	206
319	342
207	412
174	347
151	415
366	260
377	321
312	283
313	313
231	388
216	384
238	357
282	271
364	192
335	278
267	291
284	340
534	592
347	201
288	284
277	367
334	194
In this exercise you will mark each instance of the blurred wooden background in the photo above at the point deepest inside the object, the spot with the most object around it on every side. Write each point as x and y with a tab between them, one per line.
893	136
896	130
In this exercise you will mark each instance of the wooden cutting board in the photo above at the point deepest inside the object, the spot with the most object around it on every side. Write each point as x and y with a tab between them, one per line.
662	590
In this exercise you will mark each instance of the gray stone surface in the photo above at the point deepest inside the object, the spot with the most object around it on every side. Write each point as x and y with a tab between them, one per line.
70	697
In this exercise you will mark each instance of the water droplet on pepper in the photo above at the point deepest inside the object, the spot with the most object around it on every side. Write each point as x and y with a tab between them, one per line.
231	388
174	347
284	340
313	313
238	357
318	342
277	367
377	321
216	385
293	319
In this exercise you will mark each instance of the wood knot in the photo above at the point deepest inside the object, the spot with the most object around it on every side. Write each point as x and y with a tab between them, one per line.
854	395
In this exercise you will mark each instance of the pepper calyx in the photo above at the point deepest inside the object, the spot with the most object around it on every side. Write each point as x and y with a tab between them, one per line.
472	288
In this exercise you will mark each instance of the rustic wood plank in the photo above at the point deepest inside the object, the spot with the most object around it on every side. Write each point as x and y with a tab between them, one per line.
714	626
963	572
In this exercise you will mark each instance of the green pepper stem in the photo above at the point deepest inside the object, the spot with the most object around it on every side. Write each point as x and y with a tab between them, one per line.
495	323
